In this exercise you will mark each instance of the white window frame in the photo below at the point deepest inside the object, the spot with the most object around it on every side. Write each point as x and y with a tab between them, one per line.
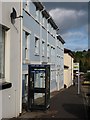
28	41
27	35
37	14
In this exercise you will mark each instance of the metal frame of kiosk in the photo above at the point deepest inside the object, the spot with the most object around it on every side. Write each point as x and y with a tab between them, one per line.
38	87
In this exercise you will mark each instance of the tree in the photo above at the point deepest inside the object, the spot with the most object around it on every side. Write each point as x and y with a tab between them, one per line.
83	57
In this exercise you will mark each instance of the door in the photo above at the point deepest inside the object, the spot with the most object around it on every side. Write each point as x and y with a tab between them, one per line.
39	87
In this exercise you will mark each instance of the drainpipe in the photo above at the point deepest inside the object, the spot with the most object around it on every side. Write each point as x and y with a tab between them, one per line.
21	25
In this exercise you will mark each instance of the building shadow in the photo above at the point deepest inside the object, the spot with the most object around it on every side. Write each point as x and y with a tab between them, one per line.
77	110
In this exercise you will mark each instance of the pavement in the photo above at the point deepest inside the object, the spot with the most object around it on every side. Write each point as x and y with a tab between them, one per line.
65	104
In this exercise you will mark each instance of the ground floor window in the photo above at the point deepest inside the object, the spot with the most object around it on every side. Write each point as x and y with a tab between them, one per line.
25	87
2	53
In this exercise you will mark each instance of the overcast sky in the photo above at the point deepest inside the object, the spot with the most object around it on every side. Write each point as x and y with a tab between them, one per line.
72	21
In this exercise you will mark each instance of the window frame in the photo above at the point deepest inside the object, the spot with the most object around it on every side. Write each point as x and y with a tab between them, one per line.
3	83
27	5
43	48
48	50
26	45
37	14
28	40
43	21
37	45
3	66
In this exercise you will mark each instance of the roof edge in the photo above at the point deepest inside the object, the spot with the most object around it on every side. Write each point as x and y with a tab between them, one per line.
60	38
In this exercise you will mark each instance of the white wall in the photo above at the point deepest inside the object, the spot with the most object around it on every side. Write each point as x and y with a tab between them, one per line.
0	105
11	97
59	64
0	90
8	103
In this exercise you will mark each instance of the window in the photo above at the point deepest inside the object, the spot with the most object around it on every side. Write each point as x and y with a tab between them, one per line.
43	21
48	51
51	30
26	45
52	54
47	26
2	54
37	15
54	32
41	17
24	87
26	83
43	48
36	46
27	5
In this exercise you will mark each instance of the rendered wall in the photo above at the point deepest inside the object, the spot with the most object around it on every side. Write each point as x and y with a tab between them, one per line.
11	97
68	74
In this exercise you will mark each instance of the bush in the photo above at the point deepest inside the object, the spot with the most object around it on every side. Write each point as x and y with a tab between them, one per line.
88	76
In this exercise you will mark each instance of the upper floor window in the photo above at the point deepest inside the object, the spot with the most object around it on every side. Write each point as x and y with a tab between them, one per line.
47	26
26	45
51	30
43	22
36	46
2	54
43	48
48	51
27	5
41	17
37	14
52	54
54	31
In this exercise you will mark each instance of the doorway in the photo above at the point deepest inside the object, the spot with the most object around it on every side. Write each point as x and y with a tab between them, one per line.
38	87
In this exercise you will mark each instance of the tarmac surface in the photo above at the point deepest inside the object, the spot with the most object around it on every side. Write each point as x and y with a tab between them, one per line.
65	104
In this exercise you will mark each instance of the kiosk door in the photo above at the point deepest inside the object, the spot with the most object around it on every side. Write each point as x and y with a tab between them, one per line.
39	87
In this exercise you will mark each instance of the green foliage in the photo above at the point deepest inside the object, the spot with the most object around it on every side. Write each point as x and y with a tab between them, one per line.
88	76
83	57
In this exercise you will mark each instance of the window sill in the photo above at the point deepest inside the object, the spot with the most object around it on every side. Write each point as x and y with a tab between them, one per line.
36	54
43	55
5	85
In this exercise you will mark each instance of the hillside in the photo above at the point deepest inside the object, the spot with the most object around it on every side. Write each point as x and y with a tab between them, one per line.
83	57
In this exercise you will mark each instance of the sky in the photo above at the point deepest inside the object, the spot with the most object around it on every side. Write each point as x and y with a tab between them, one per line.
72	21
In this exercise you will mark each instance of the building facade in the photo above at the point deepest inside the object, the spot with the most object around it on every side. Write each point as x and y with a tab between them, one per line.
10	61
32	39
68	67
60	62
41	44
